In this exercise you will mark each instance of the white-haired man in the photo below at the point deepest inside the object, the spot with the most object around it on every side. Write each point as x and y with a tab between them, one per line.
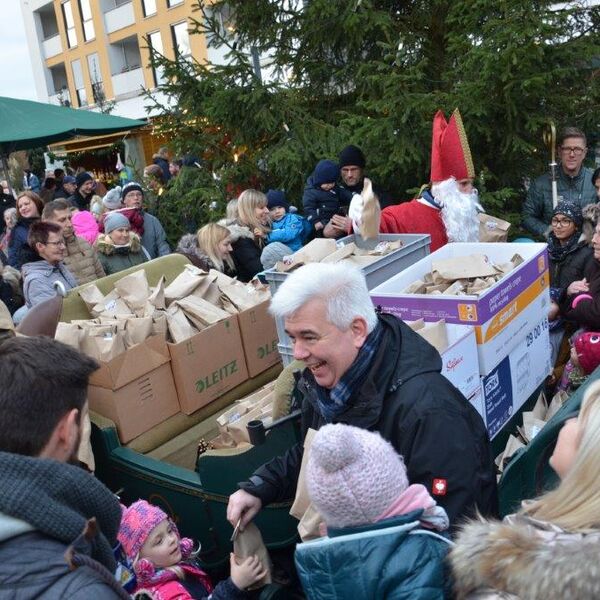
447	211
373	371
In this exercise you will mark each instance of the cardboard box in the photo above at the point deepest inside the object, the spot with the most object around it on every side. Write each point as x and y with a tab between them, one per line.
500	316
259	338
208	364
136	389
477	400
460	364
517	377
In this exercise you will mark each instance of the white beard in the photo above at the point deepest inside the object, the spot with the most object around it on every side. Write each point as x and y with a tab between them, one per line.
459	211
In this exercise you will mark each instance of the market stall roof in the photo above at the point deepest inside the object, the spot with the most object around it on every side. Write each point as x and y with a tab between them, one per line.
26	124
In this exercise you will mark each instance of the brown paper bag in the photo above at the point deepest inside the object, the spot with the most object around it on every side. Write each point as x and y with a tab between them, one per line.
159	324
200	312
340	253
371	214
314	251
416	287
91	295
111	305
137	330
243	296
463	267
70	334
416	325
180	328
185	283
556	403
309	527
250	543
134	289
157	295
492	229
512	445
103	345
436	334
84	452
302	499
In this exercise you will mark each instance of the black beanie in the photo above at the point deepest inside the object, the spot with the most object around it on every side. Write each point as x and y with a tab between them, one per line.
277	198
131	187
326	171
82	178
352	156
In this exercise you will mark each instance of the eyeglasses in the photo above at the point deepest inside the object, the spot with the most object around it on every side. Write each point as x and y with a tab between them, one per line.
576	150
561	222
61	243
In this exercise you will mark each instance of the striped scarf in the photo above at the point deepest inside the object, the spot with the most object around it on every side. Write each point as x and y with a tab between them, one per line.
333	402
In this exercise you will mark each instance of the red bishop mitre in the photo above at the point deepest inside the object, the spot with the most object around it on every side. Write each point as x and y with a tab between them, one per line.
450	152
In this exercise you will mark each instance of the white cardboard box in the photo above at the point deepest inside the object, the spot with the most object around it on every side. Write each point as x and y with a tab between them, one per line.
500	316
460	364
513	381
477	400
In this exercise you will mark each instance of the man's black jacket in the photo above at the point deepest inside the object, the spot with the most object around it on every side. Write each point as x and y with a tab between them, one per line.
428	421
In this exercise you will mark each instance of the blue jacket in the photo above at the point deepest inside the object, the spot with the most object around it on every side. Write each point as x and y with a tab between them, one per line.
292	230
395	559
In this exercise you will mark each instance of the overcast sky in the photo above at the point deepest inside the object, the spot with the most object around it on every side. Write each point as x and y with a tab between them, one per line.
16	76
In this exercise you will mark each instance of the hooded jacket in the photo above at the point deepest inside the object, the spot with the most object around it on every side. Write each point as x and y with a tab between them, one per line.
571	268
81	259
19	251
320	205
43	553
188	246
118	258
524	558
246	252
39	278
428	421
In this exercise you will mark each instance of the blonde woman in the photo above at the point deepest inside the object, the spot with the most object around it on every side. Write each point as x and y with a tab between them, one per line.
549	548
209	249
248	233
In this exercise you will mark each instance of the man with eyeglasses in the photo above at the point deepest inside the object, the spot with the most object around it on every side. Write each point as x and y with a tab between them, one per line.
40	277
574	184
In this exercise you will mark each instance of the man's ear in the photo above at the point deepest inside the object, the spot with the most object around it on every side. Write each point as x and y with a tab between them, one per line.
62	442
360	331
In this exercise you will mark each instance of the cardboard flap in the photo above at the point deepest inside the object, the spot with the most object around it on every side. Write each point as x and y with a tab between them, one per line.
133	363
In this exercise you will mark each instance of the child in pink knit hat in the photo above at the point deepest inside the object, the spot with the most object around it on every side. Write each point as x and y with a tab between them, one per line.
382	533
163	562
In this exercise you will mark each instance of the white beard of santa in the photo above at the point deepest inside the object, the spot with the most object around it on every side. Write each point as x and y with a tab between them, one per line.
459	211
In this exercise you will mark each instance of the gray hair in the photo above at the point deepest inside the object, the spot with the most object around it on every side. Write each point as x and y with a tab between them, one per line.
341	287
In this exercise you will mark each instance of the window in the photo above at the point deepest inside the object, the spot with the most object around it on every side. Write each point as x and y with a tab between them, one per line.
79	84
156	47
181	40
171	3
96	78
86	20
67	11
149	7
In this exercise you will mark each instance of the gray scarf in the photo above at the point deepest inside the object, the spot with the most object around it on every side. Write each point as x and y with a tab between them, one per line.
57	499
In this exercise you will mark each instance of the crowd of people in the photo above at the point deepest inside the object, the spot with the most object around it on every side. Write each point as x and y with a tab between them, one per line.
399	468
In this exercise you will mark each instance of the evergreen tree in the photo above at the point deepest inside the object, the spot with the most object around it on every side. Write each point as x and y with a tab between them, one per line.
374	72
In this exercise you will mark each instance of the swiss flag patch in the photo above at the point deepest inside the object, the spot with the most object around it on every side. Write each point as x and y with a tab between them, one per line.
439	487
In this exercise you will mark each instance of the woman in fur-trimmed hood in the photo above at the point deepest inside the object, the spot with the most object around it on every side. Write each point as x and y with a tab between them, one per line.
210	248
119	248
550	548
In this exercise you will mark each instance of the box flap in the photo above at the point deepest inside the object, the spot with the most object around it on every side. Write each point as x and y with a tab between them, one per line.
133	363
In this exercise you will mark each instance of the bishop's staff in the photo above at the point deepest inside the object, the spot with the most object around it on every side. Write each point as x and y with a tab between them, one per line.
550	141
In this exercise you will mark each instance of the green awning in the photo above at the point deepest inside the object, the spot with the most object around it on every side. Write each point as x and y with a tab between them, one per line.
26	124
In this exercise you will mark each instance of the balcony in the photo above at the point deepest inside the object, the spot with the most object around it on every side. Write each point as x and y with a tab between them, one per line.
52	46
128	82
119	17
62	98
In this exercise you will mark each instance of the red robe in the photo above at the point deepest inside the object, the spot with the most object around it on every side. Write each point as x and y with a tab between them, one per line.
415	217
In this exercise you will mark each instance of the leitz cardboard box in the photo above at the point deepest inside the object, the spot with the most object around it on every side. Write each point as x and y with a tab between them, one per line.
517	377
136	389
500	315
208	364
460	363
259	337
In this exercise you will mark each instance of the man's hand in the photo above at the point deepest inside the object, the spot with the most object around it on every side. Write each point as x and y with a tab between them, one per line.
341	223
242	505
578	287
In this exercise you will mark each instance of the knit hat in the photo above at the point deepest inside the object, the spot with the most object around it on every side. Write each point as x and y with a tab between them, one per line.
112	199
352	156
137	523
353	475
587	346
69	179
115	220
571	210
277	198
131	187
82	178
326	171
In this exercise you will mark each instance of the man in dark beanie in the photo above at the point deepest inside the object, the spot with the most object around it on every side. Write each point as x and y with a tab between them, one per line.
58	523
352	163
152	233
84	192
